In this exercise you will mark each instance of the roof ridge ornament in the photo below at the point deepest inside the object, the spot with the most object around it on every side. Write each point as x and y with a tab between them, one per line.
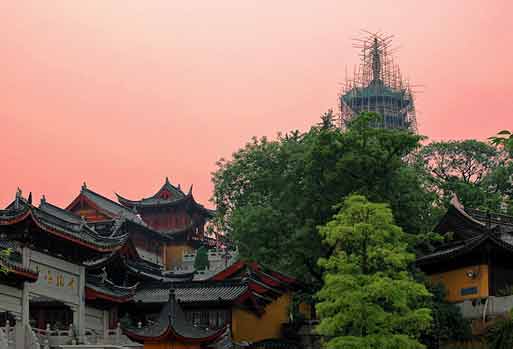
17	198
42	200
82	222
84	186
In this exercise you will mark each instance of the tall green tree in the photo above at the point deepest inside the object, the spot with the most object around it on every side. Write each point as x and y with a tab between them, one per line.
369	299
272	195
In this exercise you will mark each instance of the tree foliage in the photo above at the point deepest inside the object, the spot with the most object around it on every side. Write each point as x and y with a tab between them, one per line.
448	323
477	172
468	161
369	300
500	335
201	261
503	139
272	195
4	255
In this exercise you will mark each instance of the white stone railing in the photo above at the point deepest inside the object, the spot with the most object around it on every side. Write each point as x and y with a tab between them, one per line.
482	308
4	340
7	336
48	338
31	340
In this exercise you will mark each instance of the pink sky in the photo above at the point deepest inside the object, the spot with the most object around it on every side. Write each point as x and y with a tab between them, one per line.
122	93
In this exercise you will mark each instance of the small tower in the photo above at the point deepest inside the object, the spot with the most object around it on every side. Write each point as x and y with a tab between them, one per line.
377	86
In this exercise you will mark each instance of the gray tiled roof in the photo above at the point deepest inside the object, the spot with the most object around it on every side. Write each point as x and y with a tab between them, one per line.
67	216
173	317
98	283
192	294
110	206
51	218
176	195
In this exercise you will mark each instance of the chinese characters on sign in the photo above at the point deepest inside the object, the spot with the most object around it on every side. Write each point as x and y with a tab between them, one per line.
56	278
56	283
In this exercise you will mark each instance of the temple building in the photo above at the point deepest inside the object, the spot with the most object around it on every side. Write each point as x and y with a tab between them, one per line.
174	214
166	226
242	298
475	264
82	275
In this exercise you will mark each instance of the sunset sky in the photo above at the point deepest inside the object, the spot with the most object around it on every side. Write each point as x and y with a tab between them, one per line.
121	93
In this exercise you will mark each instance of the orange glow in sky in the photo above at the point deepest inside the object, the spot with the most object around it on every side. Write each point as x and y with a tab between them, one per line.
121	93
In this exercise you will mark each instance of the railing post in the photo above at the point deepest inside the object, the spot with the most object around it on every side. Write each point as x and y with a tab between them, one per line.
118	333
20	337
8	332
47	336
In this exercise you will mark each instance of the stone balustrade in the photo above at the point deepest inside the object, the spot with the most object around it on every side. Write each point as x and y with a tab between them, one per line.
53	338
487	307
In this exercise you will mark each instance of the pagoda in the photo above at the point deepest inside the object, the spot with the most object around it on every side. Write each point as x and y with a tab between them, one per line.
174	214
377	86
164	227
170	211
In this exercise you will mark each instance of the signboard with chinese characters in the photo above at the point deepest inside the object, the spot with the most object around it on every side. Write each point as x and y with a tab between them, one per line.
58	279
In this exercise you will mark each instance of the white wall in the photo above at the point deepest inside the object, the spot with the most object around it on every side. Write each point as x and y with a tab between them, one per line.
10	300
94	319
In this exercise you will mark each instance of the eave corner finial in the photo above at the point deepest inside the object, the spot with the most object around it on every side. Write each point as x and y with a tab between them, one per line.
84	186
43	200
18	193
29	199
167	180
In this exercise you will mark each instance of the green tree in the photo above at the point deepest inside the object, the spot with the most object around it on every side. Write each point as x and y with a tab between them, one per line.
500	335
448	323
369	300
4	256
201	262
504	139
272	195
469	169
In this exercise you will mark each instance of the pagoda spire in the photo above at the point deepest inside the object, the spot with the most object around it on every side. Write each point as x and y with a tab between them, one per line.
376	60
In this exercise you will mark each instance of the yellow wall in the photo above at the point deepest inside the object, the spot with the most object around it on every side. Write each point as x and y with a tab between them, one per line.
455	280
305	309
247	326
174	254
